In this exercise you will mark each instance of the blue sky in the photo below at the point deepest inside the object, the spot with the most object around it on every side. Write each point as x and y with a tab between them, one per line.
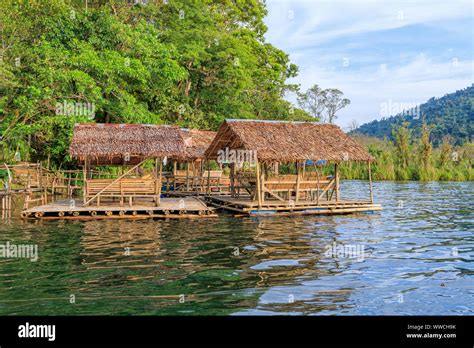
378	53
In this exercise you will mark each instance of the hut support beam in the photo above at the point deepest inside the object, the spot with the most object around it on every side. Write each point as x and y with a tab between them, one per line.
84	176
336	176
298	180
232	179
370	184
258	186
187	176
317	190
208	177
201	174
160	175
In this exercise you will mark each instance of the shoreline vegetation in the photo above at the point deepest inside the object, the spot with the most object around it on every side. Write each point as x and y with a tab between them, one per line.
414	159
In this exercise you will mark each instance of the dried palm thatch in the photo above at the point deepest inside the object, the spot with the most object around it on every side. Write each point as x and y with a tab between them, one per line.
288	141
109	144
197	141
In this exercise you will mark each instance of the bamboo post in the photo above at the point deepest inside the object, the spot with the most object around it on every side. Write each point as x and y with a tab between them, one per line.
187	176
201	175
208	177
336	175
258	188
121	193
69	180
40	174
84	177
175	169
232	178
317	186
262	182
370	185
298	179
159	182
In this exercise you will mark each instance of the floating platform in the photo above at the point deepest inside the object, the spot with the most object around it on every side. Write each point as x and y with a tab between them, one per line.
186	207
244	205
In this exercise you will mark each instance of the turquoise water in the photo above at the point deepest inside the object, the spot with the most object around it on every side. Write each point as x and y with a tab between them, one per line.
416	257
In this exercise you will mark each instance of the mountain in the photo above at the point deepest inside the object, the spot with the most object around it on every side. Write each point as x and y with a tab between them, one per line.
451	115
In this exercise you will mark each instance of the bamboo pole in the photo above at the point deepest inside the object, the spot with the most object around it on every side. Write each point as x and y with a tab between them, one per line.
201	175
187	176
317	186
263	181
298	180
208	178
336	175
258	188
232	179
370	185
40	175
159	181
84	177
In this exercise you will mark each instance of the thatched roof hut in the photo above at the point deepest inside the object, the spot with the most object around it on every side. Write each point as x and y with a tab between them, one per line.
119	144
279	141
197	141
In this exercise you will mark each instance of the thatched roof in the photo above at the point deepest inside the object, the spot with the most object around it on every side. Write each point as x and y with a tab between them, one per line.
108	144
288	141
197	141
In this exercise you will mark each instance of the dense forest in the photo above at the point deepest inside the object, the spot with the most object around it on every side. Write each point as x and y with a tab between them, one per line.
190	63
451	115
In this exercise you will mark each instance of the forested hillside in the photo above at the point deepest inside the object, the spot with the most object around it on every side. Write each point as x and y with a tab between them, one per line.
451	115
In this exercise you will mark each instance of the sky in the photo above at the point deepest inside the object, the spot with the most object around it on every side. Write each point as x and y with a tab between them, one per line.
384	55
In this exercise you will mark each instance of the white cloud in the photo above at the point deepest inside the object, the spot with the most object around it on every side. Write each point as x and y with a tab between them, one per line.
317	33
320	21
368	89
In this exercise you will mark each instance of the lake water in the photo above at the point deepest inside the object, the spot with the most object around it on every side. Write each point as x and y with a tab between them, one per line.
416	257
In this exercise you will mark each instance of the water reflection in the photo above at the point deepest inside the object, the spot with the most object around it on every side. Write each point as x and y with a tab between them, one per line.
417	259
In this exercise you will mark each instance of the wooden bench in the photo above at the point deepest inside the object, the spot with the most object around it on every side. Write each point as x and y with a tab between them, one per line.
180	182
124	188
308	186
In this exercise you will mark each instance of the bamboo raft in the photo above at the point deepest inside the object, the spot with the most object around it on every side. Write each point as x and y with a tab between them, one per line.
188	207
254	185
278	208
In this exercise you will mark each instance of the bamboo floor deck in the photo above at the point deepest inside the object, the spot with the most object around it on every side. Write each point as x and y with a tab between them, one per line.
186	207
244	205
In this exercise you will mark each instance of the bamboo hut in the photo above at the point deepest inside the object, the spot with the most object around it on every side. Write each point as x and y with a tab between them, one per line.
142	150
191	179
307	146
124	145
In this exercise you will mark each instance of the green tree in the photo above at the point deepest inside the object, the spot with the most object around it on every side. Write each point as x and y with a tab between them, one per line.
313	101
322	104
402	136
425	152
334	101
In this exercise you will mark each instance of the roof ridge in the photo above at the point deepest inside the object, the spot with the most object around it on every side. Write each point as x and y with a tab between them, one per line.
276	121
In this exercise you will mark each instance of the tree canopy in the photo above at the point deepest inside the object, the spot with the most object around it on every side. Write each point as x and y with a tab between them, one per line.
190	63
